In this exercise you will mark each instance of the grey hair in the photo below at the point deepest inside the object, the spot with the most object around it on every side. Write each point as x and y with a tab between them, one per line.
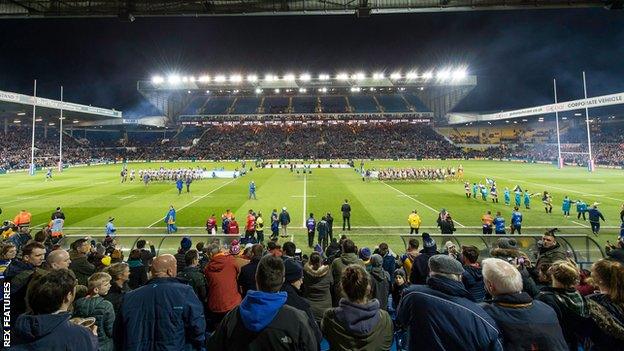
502	275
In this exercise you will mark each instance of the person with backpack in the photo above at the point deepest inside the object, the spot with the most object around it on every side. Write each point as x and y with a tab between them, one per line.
193	275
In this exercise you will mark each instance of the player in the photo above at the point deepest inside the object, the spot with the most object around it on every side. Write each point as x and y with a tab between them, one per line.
484	192
132	175
516	221
507	196
499	224
124	175
146	178
581	209
48	174
527	199
250	226
518	195
188	182
211	225
467	189
547	201
475	187
565	206
179	185
494	193
252	190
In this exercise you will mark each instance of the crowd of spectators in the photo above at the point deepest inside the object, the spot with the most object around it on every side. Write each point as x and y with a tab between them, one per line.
252	297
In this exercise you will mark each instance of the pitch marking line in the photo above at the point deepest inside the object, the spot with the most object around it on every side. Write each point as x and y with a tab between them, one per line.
194	201
581	224
422	203
305	197
372	227
127	197
50	193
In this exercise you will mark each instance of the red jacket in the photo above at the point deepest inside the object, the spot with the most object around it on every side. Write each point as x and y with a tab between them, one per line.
251	222
221	273
233	227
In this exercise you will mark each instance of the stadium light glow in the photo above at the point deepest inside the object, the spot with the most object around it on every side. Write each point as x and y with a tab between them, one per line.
252	78
443	74
378	76
277	91
192	79
358	76
236	78
21	113
173	79
51	123
371	89
322	90
258	91
185	79
75	121
305	77
270	77
342	76
459	74
355	89
323	76
289	77
427	75
207	91
220	78
38	119
204	79
158	80
303	90
411	75
395	75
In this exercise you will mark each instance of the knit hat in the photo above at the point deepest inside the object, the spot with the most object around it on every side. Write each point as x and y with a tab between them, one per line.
376	260
428	240
507	243
235	249
401	272
445	264
292	270
365	253
106	260
185	244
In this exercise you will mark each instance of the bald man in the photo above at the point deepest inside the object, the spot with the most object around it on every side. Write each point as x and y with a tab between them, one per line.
164	314
58	259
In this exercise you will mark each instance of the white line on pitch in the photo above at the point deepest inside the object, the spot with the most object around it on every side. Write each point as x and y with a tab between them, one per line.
194	201
581	224
305	194
365	227
420	202
127	197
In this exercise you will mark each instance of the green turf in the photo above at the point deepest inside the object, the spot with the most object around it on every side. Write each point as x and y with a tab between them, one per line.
89	195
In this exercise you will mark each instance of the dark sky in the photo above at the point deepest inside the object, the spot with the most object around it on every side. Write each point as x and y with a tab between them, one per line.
515	54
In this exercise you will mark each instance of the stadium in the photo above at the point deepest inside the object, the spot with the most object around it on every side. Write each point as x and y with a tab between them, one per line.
386	188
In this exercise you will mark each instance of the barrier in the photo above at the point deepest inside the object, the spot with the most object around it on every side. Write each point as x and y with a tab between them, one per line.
582	248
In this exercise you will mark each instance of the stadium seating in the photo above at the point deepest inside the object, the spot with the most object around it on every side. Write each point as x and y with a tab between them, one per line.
392	102
276	104
363	103
333	104
193	107
415	101
216	105
246	105
304	104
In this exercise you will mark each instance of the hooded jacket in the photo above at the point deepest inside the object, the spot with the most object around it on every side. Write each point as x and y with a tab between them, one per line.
317	285
138	273
247	276
19	274
221	274
51	332
473	281
380	286
104	315
262	322
420	265
609	319
442	316
195	278
550	255
352	326
337	267
80	266
298	302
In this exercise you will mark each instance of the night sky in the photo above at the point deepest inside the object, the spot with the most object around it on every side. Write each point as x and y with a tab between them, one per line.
515	54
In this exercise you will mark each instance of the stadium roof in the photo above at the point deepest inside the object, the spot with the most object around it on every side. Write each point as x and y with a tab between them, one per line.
128	10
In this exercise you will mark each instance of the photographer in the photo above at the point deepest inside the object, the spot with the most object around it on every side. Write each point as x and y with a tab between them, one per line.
508	251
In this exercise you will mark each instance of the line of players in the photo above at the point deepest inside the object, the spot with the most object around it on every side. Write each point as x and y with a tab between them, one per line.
421	173
162	174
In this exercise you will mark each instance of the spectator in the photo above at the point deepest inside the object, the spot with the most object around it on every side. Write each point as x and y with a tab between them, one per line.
48	326
357	323
185	245
57	214
58	259
247	275
420	266
79	263
525	324
239	256
221	273
380	282
164	314
21	273
138	271
569	305
365	255
606	308
146	255
120	274
263	321
473	276
193	276
399	284
293	278
317	284
346	258
447	226
410	255
389	259
442	316
7	254
94	305
550	251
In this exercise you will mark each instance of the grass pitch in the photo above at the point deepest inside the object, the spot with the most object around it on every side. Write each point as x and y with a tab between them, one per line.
89	195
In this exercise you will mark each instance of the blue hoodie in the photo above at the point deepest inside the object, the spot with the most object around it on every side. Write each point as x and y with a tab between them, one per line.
259	308
51	332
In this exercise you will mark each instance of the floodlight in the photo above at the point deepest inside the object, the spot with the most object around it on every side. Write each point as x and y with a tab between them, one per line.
342	76
323	76
395	75
220	78
173	79
16	121
21	113
289	77
188	91
236	78
185	79
427	75
258	91
443	74
204	79
303	90
235	91
51	123
157	80
564	118
322	90
269	77
371	89
38	119
411	75
75	121
305	77
459	74
207	91
402	88
252	78
277	91
355	89
358	76
192	79
578	114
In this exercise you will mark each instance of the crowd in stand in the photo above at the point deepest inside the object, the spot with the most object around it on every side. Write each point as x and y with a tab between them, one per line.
343	297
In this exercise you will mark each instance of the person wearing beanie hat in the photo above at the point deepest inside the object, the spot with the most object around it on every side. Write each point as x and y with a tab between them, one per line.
221	274
106	261
365	256
441	315
420	265
235	249
236	252
185	245
380	281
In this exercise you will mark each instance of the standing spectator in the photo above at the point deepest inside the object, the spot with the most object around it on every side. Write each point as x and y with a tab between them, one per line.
20	274
146	255
358	323
79	263
407	260
284	220
414	222
293	279
380	282
138	271
185	245
192	275
164	314
250	226
263	321
346	258
442	316
239	256
321	228
389	259
7	254
569	305
47	327
211	225
94	305
594	218
58	259
233	227
330	225
525	324
221	273
399	284
120	274
473	275
311	227
247	276
317	283
57	214
607	307
550	251
346	215
420	266
274	224
447	226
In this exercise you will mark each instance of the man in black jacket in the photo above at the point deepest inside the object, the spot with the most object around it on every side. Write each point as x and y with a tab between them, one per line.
247	275
263	321
146	255
346	215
